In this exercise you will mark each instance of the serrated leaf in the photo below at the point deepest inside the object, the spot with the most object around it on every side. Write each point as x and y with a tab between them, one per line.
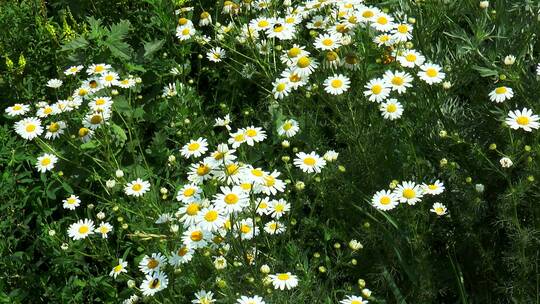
77	43
150	47
119	132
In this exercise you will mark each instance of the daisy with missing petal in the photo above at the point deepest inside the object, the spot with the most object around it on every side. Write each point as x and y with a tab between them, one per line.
195	148
153	263
309	162
237	138
435	188
353	300
377	90
501	94
438	209
221	156
185	32
250	300
327	42
281	88
283	281
47	110
392	109
410	59
274	227
126	83
181	256
210	219
254	135
118	269
55	129
100	103
95	120
305	65
291	55
384	200
289	128
399	81
195	237
137	187
524	119
402	32
189	193
54	83
337	84
230	174
231	200
384	39
203	297
223	122
189	213
262	206
216	54
272	184
73	70
408	192
71	202
46	162
104	229
154	283
431	73
17	109
247	230
81	229
278	208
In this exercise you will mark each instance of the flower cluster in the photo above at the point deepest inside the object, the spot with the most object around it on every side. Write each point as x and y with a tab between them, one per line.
408	192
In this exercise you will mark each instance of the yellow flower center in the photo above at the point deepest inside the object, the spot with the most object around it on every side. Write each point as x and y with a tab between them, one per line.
385	200
391	108
303	62
83	92
336	83
278	29
410	57
203	170
293	52
153	263
245	228
279	208
501	90
239	137
48	110
192	209
269	181
99	68
189	192
403	28
118	268
196	236
96	119
287	126
30	128
83	229
211	216
263	205
439	210
231	199
409	193
17	107
231	169
100	101
522	120
45	161
281	87
194	146
103	229
328	42
283	276
185	32
382	20
263	23
109	78
71	200
376	89
397	80
431	72
83	132
257	172
183	21
310	161
182	251
205	15
432	187
353	19
368	14
251	133
137	187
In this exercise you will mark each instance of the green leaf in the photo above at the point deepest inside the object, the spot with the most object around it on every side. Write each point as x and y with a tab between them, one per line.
89	145
77	43
485	72
119	132
150	47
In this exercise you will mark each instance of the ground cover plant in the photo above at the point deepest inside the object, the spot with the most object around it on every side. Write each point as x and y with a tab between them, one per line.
316	151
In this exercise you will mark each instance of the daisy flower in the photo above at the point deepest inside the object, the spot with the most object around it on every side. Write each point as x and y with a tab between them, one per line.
410	59
46	162
309	162
254	175
223	122
283	281
398	81
222	156
17	109
237	138
185	32
189	193
108	79
247	229
195	237
330	156
501	94
54	83
278	208
206	19
506	162
368	14
154	283
289	128
137	187
274	227
435	188
262	206
126	83
195	148
408	192
431	73
327	42
230	174
384	200
71	202
181	256
95	120
189	213
337	84
99	69
377	90
81	229
281	88
55	129
272	184
250	300
402	32
85	134
47	110
291	55
200	172
153	263
391	109
254	135
81	92
383	22
102	102
261	23
104	229
384	39
331	60
281	31
231	200
118	269
353	300
203	297
524	119
210	219
73	70
216	54
305	65
438	209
